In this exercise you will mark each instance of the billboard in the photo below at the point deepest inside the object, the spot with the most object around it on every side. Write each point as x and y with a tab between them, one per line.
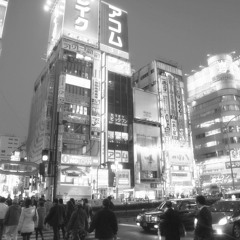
118	66
81	21
114	31
3	11
56	25
145	105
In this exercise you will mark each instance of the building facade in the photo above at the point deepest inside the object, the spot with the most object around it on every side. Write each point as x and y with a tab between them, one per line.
213	97
3	12
82	103
173	173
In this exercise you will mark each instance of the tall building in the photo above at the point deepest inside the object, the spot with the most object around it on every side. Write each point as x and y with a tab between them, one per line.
168	137
8	144
3	12
82	103
214	99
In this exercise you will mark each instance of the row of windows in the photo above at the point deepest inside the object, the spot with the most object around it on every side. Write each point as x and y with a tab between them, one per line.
74	149
78	67
118	137
77	90
76	128
216	100
209	133
76	109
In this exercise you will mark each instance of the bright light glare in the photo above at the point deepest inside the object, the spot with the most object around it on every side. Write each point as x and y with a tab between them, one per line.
46	8
49	2
223	221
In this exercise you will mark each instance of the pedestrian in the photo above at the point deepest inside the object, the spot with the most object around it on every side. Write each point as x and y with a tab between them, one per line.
55	218
170	223
3	211
78	223
11	220
28	216
63	225
203	229
9	200
70	209
111	203
88	209
104	223
41	210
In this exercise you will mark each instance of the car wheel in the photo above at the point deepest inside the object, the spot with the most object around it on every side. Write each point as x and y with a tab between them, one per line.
147	229
236	231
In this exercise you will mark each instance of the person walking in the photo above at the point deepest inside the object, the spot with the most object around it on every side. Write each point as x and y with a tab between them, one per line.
11	220
170	223
26	223
41	210
111	206
3	211
88	209
63	225
104	223
203	230
78	223
55	218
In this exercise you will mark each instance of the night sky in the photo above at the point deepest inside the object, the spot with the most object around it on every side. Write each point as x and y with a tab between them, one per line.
184	31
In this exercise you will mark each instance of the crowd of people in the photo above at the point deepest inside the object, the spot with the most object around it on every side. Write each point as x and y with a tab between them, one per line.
74	219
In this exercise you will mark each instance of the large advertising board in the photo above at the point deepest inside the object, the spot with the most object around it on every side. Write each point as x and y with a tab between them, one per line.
56	25
3	12
81	21
145	105
114	30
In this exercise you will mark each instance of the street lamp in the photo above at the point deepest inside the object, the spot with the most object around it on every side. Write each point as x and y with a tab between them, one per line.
230	157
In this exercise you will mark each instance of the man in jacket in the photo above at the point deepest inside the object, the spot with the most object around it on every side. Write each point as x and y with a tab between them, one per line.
104	223
171	223
78	223
11	220
55	218
3	211
203	230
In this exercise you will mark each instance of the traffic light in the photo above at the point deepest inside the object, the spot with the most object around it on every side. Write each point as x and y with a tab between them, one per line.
42	169
45	155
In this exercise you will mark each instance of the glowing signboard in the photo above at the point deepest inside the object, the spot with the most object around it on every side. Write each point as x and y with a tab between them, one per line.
114	31
81	21
3	11
76	160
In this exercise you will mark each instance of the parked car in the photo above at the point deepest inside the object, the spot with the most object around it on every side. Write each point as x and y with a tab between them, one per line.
226	219
151	219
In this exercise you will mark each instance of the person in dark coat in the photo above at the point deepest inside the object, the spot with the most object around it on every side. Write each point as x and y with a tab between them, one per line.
55	218
203	230
78	223
104	223
41	217
70	209
11	220
170	223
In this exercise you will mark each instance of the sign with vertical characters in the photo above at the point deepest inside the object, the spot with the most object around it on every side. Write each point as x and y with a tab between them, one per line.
81	21
114	31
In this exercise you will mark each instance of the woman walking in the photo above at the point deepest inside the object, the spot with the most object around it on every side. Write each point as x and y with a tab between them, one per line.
28	216
41	210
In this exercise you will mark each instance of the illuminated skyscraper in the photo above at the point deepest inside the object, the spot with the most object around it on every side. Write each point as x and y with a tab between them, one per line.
163	152
82	103
214	99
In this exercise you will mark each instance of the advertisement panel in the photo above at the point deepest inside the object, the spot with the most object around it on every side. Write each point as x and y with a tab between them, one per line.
118	66
76	160
124	178
78	81
3	12
81	21
146	151
114	31
56	25
142	108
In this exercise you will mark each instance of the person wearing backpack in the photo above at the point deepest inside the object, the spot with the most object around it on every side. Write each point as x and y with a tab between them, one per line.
78	223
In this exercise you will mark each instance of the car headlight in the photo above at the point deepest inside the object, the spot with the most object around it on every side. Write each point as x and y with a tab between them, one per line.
154	218
223	221
139	217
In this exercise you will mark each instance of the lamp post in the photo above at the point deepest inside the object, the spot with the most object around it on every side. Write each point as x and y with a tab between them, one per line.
230	157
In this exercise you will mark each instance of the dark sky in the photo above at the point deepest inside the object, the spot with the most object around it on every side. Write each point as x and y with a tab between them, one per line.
184	31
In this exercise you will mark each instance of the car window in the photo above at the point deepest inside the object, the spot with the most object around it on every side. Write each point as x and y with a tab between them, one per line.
227	206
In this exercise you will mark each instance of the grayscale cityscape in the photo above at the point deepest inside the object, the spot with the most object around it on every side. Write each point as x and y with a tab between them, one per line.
119	119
